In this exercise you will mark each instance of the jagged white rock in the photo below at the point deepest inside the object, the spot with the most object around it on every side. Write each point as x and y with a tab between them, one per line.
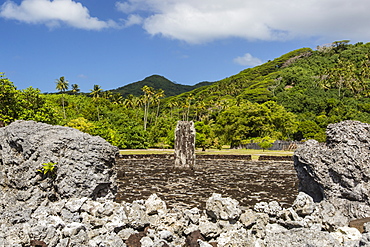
224	208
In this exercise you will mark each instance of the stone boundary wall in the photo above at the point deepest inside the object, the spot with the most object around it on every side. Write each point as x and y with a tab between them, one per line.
223	157
277	145
275	158
145	156
172	157
204	157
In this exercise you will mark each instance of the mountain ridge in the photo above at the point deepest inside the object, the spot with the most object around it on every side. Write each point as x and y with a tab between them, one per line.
157	82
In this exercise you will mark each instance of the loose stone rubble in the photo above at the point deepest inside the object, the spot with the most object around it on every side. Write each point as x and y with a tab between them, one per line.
102	222
86	218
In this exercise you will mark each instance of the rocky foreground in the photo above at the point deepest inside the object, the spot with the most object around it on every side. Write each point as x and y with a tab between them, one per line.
74	206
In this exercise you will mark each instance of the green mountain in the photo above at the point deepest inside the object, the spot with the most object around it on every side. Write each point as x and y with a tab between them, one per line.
341	69
157	82
252	84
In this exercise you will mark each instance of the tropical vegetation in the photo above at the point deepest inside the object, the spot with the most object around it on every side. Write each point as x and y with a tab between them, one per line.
293	97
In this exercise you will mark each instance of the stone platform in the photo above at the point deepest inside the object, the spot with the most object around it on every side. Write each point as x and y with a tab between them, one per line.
247	181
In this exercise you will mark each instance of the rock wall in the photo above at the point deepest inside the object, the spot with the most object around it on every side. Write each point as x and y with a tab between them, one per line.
83	163
198	157
276	158
82	169
338	171
277	145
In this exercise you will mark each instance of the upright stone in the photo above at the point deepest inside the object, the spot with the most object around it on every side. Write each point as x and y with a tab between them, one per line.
185	145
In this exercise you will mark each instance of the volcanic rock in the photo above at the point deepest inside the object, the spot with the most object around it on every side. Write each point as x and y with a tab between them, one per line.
338	171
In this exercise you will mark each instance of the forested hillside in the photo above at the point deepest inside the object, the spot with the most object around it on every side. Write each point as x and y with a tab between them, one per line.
157	82
293	97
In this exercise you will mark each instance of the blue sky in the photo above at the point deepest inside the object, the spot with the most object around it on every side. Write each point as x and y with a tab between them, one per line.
115	42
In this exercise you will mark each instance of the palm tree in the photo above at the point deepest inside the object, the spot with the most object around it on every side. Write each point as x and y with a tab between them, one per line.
117	99
171	105
159	94
188	104
62	86
148	94
129	102
132	102
199	110
75	88
95	93
108	95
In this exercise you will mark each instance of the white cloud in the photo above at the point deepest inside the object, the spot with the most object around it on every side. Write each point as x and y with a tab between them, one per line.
248	60
124	7
199	21
53	13
133	20
196	21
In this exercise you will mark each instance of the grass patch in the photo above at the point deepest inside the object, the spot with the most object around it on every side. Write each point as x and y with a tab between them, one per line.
146	151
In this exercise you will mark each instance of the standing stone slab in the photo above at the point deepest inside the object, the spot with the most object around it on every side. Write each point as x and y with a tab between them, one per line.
185	145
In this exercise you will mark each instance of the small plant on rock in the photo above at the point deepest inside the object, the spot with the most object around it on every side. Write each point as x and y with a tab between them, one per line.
48	169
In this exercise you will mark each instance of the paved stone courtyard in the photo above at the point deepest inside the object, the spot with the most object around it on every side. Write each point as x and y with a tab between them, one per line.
247	181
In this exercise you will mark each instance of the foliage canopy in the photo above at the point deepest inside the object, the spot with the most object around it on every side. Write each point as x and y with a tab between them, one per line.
293	97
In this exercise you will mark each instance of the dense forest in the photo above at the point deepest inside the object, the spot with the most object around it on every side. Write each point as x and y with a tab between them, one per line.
293	97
